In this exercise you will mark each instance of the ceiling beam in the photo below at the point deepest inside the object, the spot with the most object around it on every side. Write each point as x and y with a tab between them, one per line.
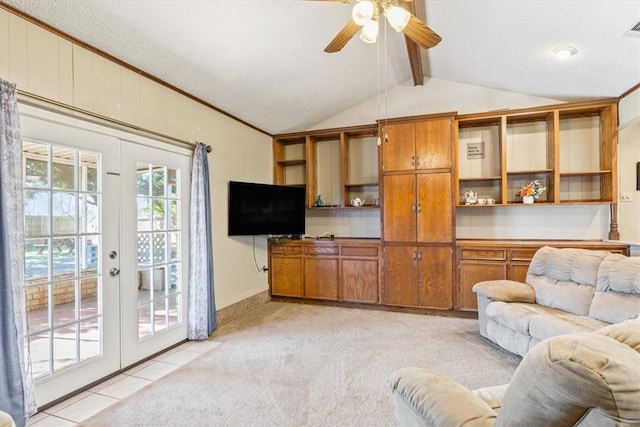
413	50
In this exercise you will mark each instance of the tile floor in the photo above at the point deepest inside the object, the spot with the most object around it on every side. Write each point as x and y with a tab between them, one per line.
88	403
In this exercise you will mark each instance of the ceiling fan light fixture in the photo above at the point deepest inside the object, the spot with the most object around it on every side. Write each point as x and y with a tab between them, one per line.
362	12
398	17
369	32
564	52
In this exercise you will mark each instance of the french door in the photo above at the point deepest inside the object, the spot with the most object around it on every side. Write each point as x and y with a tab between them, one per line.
106	244
155	240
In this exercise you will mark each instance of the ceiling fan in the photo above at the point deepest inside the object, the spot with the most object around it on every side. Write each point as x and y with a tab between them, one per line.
365	18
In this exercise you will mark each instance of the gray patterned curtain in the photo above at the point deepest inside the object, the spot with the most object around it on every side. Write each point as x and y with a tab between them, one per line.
16	387
202	308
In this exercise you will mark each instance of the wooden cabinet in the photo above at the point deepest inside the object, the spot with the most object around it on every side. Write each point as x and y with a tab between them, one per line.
286	270
359	272
480	260
418	276
418	208
418	212
421	143
321	271
339	270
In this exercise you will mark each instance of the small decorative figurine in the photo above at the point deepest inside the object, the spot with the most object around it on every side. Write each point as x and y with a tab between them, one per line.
318	203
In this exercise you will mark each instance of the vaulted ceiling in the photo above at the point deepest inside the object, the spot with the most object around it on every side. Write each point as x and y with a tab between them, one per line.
263	60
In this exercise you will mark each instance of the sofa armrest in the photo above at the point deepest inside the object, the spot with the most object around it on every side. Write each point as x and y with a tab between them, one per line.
6	420
430	399
505	290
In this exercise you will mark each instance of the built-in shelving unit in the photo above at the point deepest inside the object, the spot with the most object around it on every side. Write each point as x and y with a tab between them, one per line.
426	165
336	164
569	148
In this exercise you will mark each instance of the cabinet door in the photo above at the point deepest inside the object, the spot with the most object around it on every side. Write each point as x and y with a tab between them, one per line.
321	278
518	271
400	276
399	208
433	144
472	272
435	276
286	276
435	211
359	280
398	150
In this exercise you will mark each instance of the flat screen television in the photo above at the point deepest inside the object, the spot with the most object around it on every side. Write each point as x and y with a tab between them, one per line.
265	209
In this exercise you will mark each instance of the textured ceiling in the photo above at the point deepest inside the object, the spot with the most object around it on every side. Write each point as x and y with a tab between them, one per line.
263	61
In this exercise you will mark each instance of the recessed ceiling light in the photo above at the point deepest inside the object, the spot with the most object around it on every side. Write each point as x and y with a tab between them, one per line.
564	51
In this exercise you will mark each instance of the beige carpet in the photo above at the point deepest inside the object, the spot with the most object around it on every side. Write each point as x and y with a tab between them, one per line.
307	365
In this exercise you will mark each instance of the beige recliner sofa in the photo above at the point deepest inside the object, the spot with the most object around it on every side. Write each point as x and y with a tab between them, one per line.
566	290
580	379
6	420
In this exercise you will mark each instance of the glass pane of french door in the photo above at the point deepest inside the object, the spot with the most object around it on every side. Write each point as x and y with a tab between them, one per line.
155	194
69	181
159	255
62	201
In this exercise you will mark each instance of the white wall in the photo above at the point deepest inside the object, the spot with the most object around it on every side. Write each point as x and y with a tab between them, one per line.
44	64
435	96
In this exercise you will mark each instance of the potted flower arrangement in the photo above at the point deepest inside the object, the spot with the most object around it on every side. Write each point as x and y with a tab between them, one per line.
531	191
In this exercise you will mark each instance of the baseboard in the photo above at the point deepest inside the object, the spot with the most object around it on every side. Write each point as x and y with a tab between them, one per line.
379	307
239	309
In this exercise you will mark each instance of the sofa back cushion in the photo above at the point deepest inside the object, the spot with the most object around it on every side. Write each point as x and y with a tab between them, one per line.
565	278
617	295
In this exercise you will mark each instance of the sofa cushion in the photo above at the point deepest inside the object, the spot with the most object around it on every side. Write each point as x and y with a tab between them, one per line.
565	278
627	332
614	307
617	295
543	327
515	315
520	316
539	322
566	296
428	396
492	395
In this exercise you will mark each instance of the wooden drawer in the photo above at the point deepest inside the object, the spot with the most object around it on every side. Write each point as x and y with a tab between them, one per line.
523	254
286	249
321	250
365	251
480	253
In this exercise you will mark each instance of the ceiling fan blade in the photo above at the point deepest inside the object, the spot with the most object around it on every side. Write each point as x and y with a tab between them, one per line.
421	34
343	37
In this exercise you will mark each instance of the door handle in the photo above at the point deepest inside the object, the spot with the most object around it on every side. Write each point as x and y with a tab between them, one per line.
114	271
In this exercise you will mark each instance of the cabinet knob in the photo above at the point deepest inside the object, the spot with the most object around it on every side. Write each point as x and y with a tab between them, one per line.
416	161
414	255
413	161
419	255
413	207
419	209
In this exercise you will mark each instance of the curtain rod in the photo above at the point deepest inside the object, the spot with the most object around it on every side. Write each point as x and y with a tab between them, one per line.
37	101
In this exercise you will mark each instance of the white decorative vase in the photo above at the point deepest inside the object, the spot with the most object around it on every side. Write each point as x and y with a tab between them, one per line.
527	200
